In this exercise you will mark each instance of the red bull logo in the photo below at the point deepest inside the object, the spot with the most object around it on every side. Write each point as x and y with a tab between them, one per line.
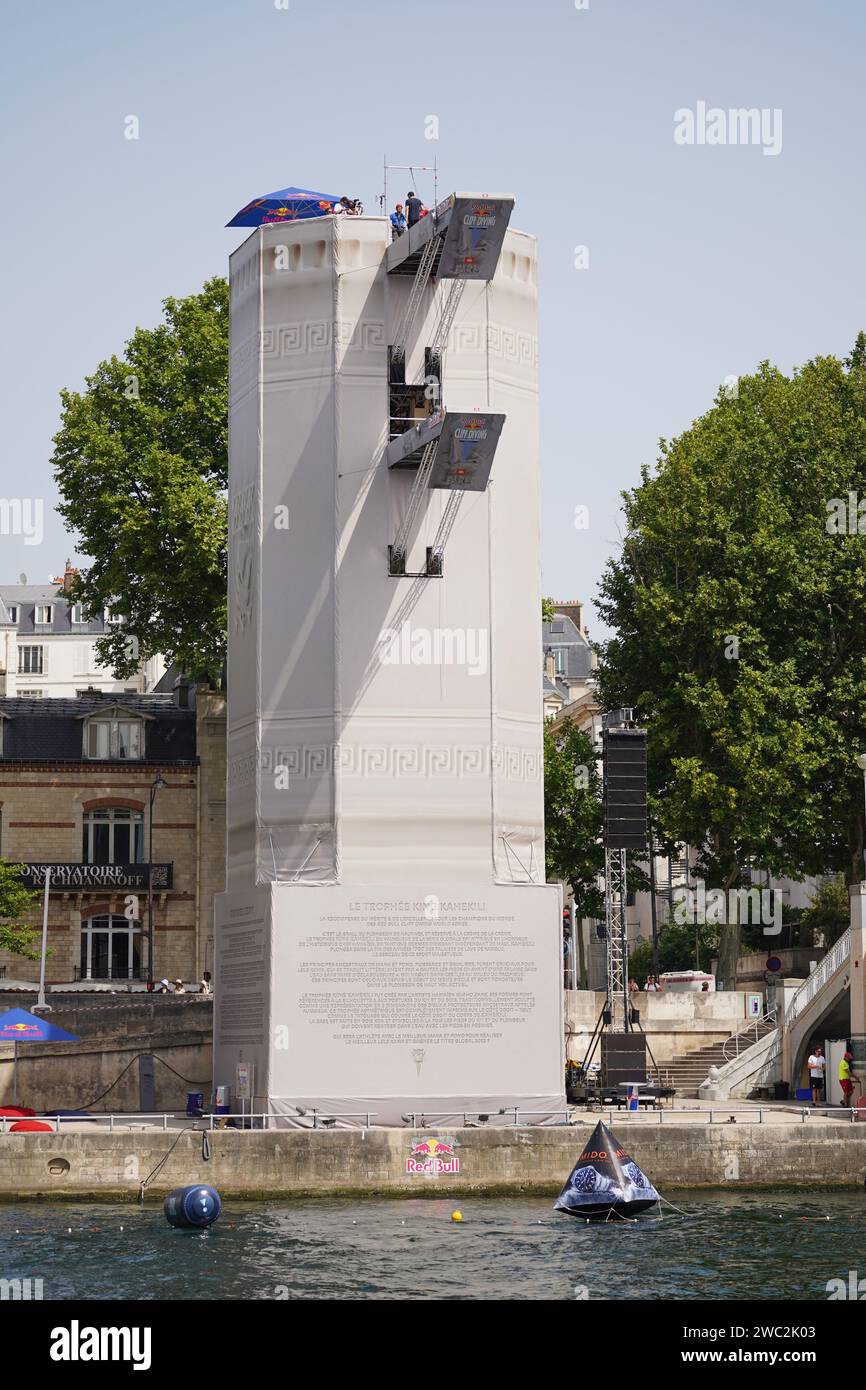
483	216
471	431
433	1156
18	1028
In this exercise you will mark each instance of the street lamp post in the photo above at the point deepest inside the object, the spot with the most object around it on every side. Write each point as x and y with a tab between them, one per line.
157	785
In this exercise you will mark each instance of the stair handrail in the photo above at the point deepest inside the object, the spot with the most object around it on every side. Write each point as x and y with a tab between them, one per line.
753	1026
826	968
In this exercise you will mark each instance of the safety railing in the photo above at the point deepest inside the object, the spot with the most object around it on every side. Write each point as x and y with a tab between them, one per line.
166	1120
824	971
748	1036
722	1114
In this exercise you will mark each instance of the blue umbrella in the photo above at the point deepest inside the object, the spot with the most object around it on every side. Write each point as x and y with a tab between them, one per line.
17	1025
286	205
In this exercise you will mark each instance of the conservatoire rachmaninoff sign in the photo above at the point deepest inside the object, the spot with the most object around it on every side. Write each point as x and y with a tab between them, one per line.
97	875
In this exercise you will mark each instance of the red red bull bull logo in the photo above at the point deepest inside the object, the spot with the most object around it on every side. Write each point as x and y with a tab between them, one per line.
434	1155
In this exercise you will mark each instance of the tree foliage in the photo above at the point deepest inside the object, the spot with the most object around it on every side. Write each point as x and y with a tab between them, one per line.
740	627
676	951
573	821
829	912
573	815
15	901
141	461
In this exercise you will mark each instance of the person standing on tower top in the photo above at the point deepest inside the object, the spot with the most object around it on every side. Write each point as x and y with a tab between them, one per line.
413	209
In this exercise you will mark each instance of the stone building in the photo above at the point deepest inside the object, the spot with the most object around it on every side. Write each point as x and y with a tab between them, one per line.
569	660
76	781
48	644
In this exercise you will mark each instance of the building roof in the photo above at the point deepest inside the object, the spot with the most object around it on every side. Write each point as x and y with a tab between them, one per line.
562	633
26	597
49	730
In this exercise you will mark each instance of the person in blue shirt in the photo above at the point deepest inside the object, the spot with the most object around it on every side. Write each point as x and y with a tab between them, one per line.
398	222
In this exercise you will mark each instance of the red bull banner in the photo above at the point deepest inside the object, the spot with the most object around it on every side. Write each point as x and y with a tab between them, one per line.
433	1155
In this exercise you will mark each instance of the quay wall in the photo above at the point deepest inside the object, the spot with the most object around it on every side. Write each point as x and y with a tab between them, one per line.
294	1163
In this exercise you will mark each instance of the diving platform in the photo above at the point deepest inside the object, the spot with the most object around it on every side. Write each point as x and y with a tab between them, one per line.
462	445
466	231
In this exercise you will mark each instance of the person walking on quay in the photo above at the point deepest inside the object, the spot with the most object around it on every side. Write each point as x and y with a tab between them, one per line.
817	1063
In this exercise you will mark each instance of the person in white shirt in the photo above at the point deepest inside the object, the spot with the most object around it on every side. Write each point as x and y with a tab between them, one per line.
817	1063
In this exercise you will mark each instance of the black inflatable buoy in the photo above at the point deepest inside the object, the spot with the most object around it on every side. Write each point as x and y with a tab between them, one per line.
604	1181
197	1206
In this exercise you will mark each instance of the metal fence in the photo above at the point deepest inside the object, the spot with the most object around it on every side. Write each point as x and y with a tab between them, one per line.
168	1121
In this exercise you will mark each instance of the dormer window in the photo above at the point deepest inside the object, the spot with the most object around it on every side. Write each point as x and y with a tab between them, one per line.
13	612
42	616
114	738
77	612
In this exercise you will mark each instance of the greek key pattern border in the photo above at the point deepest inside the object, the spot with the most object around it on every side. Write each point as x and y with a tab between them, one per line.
311	761
321	335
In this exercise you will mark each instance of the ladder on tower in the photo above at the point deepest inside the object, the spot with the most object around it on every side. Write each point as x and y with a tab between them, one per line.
443	531
446	319
416	496
416	294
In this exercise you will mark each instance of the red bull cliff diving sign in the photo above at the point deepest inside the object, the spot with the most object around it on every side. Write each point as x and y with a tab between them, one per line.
433	1156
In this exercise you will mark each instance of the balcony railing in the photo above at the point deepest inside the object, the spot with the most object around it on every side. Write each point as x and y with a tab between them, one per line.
80	976
122	877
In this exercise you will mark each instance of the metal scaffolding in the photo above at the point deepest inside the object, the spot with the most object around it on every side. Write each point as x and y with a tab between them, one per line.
617	945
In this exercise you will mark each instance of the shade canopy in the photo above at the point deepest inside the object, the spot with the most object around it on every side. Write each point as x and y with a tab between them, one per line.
18	1026
285	205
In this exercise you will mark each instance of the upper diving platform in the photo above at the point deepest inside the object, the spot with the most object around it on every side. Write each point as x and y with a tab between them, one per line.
468	228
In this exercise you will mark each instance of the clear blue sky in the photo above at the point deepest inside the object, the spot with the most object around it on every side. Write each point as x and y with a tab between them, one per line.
703	260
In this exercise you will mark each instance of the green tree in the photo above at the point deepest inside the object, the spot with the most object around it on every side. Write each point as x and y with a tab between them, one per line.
15	900
738	609
573	822
676	951
141	461
548	612
829	912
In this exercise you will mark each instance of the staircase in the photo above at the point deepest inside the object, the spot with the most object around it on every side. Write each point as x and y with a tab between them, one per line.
687	1071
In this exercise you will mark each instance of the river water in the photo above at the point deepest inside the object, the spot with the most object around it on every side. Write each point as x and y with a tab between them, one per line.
718	1245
